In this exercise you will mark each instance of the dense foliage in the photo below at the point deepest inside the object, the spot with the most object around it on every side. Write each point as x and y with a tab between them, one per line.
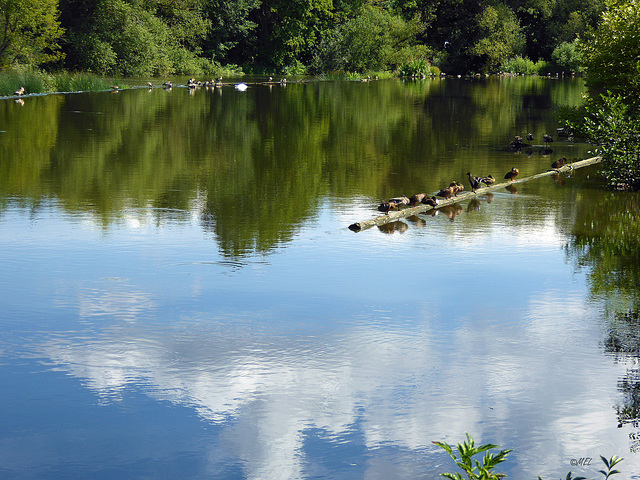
29	32
611	55
612	51
157	37
615	127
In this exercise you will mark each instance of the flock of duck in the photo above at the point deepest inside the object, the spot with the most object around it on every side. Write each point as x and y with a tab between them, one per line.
191	84
455	187
452	190
518	143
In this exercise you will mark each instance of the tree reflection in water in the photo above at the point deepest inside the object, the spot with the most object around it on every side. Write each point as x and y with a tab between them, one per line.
607	241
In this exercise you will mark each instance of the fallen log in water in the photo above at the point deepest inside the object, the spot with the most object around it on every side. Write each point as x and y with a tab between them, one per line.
392	216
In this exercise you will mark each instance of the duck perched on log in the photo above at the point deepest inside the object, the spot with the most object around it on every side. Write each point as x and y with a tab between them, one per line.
474	182
417	198
488	180
19	92
446	192
432	202
512	174
385	207
558	163
457	188
547	138
530	137
401	200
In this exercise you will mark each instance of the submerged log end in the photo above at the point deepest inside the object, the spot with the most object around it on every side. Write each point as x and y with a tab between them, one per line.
355	227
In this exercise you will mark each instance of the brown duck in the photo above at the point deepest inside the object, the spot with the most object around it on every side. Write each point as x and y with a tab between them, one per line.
457	188
432	202
385	207
512	174
417	198
401	200
558	163
488	180
446	192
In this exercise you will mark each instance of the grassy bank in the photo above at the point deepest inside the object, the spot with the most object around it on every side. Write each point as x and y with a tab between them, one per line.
35	81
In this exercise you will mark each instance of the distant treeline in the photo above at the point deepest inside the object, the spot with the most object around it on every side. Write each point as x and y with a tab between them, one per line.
162	37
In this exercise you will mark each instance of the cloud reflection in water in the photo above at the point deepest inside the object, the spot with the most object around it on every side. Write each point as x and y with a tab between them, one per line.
393	384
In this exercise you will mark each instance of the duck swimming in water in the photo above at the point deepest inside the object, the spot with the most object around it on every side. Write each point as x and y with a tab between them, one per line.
512	174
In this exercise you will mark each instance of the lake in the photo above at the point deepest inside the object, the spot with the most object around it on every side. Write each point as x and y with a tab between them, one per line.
182	297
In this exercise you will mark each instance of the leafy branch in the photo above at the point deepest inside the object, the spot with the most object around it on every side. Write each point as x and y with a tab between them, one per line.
474	469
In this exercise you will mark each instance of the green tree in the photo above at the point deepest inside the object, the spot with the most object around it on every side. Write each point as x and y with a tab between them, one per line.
571	19
500	38
612	61
287	30
426	10
375	39
231	37
132	37
29	32
616	130
453	35
567	56
535	18
612	51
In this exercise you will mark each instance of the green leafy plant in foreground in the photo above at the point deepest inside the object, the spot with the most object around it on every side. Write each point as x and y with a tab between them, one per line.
612	462
474	469
485	470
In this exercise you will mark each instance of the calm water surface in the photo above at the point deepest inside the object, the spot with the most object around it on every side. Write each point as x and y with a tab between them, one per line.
181	296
